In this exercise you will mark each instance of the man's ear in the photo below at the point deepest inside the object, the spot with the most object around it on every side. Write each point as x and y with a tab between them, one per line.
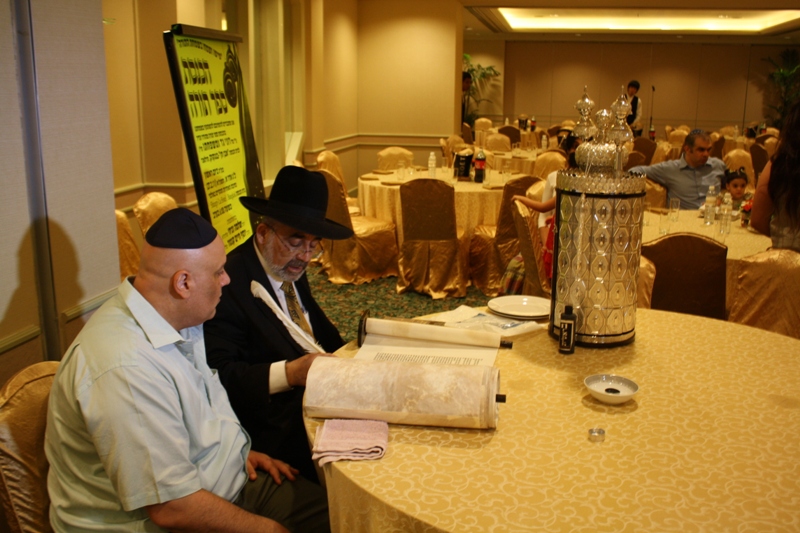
182	284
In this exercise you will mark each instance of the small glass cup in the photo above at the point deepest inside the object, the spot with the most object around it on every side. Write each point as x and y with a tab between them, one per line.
401	170
515	149
674	209
663	222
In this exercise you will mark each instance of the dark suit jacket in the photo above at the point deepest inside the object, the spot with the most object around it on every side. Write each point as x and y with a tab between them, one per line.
243	339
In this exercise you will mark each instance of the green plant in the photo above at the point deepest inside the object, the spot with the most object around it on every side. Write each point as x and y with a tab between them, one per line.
786	78
481	77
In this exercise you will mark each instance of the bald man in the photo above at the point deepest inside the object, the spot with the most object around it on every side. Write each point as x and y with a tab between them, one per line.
140	434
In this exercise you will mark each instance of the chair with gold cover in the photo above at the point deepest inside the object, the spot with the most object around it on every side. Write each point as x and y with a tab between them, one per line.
770	145
526	221
548	162
761	139
635	159
466	133
727	131
759	156
388	158
150	207
511	132
667	130
645	146
691	274
498	142
775	132
655	194
677	137
483	124
327	160
23	465
492	247
644	287
767	291
128	250
740	158
433	254
370	254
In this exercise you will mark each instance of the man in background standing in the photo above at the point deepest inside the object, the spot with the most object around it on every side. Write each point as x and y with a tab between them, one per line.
635	117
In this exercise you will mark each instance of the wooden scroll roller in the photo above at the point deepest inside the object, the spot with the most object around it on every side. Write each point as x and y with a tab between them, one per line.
403	393
426	330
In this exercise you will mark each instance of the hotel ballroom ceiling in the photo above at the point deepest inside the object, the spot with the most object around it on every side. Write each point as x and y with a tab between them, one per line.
483	19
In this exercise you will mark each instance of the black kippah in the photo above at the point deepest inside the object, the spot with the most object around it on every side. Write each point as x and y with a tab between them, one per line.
182	229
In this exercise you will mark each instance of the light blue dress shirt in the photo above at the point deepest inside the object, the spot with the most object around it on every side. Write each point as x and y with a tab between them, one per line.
136	417
689	185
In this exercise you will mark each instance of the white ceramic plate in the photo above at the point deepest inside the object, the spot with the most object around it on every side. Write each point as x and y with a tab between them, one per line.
611	389
519	306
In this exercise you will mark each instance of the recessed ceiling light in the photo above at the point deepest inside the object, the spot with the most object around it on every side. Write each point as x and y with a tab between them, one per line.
646	20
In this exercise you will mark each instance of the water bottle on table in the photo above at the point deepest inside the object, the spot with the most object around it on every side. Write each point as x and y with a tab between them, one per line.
725	211
711	205
432	166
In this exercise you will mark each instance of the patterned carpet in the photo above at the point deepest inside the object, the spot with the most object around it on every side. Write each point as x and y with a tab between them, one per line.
344	303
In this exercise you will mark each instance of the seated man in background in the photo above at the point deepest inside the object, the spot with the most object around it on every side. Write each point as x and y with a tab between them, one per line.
140	434
268	329
688	177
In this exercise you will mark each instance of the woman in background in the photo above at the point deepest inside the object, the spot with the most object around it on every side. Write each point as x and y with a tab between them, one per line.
776	205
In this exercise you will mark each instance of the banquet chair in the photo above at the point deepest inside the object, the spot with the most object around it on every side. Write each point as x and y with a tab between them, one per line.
775	132
298	163
548	162
128	250
370	254
23	465
498	142
759	156
327	160
645	146
677	137
526	220
433	254
718	148
684	127
511	132
655	194
667	130
761	139
727	131
483	124
150	207
691	274
738	158
634	160
662	153
466	133
553	130
455	143
388	158
644	285
770	145
493	246
767	290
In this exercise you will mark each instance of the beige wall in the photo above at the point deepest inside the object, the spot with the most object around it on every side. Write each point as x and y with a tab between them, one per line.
701	85
73	129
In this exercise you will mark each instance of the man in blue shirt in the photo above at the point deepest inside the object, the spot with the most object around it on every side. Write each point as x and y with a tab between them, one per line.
140	433
689	177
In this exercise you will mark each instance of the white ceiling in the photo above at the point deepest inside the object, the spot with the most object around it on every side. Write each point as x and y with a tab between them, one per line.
483	20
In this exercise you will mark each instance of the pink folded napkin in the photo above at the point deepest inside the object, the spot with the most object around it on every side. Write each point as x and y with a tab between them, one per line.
352	440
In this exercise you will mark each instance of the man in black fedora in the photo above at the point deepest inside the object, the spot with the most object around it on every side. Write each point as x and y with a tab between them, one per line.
268	329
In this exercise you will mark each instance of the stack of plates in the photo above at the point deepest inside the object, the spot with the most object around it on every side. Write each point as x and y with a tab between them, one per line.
521	307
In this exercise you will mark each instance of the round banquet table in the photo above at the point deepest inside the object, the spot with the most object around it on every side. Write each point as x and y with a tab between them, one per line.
476	203
710	443
741	242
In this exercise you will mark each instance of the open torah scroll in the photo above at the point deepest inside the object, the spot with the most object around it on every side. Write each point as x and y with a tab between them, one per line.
403	393
420	342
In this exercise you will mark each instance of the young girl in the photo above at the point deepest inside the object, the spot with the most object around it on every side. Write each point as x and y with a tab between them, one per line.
736	184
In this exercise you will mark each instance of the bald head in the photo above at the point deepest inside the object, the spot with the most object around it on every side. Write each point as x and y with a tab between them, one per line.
183	285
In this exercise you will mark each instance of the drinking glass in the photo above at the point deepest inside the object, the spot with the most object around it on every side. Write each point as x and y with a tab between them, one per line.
515	149
674	209
401	170
663	222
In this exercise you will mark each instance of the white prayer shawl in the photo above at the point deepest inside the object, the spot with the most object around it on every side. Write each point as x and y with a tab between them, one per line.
306	341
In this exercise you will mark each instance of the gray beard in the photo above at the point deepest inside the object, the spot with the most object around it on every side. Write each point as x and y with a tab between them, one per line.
280	271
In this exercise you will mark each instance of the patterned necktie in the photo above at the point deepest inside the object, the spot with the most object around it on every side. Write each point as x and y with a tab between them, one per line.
295	311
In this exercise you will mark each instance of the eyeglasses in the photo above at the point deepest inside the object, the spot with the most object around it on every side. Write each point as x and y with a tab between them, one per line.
313	247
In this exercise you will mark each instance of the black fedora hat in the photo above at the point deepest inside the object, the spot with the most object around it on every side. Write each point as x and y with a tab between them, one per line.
299	199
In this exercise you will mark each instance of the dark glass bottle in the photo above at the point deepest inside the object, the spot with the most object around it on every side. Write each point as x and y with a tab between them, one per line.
480	166
566	341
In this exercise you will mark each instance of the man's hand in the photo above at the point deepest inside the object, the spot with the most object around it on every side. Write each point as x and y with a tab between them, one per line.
297	370
273	467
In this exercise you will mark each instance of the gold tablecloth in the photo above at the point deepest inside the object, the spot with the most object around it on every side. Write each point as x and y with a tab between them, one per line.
522	163
475	204
710	443
741	242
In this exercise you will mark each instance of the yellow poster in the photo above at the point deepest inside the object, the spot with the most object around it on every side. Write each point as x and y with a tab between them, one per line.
217	129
